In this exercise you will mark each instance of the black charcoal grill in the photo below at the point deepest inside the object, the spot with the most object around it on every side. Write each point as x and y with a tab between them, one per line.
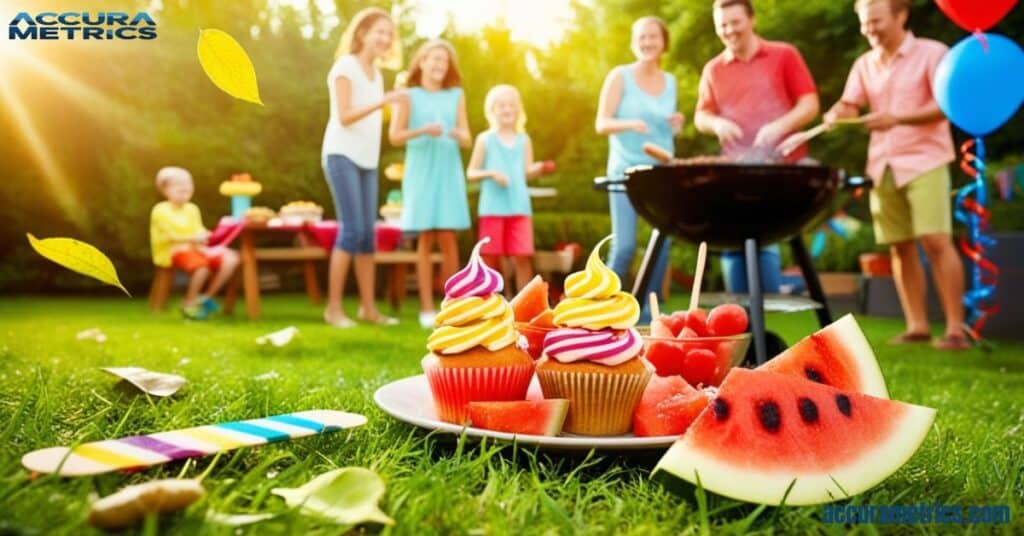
735	206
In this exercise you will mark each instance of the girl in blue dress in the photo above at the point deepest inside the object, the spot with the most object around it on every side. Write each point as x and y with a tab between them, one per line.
502	160
433	126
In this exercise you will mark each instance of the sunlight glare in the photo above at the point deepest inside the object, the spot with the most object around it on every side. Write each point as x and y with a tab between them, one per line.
41	153
538	22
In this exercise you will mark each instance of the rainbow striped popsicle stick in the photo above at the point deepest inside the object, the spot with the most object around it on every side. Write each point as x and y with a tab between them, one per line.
138	452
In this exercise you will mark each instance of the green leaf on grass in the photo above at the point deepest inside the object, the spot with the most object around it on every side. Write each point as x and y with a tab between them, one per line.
348	496
227	65
78	257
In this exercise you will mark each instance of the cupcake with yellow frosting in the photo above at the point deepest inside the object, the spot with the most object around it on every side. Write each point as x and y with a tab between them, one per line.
593	357
473	352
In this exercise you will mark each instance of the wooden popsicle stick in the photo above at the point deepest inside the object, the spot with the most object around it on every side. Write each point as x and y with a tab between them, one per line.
698	277
138	452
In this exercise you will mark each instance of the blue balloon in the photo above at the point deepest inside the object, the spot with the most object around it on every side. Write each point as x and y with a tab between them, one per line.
979	86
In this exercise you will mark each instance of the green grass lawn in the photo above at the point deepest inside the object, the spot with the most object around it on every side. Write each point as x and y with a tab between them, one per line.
53	393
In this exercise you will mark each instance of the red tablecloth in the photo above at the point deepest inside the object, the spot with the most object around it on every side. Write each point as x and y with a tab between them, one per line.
323	232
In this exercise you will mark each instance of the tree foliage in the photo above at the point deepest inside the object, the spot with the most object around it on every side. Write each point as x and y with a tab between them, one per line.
146	104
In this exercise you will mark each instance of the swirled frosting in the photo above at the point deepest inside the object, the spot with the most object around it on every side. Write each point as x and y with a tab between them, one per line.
473	312
595	300
606	347
596	281
476	279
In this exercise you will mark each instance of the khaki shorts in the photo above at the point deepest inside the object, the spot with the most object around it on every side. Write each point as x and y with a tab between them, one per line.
921	207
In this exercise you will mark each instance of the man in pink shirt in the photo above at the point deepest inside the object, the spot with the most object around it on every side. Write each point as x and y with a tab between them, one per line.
908	155
752	96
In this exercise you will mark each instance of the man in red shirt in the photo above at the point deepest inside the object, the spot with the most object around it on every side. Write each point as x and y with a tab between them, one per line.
908	155
752	96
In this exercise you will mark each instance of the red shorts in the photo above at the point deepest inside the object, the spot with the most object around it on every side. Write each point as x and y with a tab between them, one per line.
191	260
510	235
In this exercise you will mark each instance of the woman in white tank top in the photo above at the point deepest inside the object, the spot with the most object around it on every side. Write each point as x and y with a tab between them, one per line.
351	154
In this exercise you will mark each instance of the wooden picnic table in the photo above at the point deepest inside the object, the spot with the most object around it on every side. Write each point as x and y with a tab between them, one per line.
305	250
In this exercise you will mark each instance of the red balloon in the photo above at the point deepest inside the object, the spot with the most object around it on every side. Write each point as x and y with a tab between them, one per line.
976	15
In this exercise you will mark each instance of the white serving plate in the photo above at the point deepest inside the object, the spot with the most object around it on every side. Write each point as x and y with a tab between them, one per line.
409	400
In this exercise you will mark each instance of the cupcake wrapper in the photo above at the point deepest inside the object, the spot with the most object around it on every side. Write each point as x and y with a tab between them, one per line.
599	404
453	388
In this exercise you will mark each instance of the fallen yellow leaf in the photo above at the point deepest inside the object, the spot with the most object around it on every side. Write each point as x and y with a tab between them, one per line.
227	65
78	257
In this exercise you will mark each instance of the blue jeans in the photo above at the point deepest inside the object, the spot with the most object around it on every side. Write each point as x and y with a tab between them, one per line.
624	249
734	270
354	190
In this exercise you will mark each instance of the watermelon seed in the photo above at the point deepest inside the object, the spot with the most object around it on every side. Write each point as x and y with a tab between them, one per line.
808	410
813	375
768	412
843	403
721	409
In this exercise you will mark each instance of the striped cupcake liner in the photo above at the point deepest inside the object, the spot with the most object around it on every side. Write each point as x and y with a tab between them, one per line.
453	388
599	404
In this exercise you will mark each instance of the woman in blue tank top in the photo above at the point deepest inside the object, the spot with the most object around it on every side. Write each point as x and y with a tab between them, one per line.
637	106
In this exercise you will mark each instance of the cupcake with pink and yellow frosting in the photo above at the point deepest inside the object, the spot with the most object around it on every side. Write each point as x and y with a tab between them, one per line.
593	357
473	351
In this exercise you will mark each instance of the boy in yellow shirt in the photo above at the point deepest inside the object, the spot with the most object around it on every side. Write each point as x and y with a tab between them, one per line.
178	238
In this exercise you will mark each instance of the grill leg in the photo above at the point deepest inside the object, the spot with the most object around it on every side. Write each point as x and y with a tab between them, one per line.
811	278
752	255
651	256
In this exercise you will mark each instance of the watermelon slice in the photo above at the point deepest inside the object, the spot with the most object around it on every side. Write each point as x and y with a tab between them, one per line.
668	407
532	339
532	301
525	417
765	432
545	320
837	355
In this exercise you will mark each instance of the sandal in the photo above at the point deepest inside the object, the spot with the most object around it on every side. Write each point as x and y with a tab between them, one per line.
952	343
379	320
910	338
341	323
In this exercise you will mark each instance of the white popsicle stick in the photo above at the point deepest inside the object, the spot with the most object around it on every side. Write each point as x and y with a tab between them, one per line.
698	276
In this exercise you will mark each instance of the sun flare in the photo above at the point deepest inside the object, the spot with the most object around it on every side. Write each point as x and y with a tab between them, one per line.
538	22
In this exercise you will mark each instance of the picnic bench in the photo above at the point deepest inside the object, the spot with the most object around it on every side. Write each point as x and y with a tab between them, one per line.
307	252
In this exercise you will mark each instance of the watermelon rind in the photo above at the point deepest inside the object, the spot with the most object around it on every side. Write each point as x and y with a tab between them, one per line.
731	474
851	337
743	483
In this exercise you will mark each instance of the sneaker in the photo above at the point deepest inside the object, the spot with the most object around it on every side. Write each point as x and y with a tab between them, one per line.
209	305
194	312
427	319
